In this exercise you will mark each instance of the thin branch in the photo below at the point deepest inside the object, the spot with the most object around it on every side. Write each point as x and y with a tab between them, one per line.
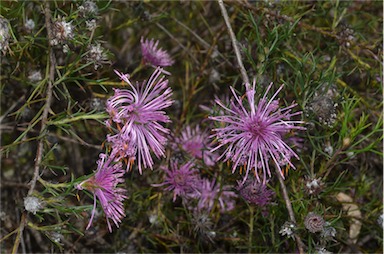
234	42
300	244
44	117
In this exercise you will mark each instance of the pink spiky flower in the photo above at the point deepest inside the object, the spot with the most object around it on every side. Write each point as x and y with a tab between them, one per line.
103	185
196	143
138	114
154	55
209	191
253	133
182	180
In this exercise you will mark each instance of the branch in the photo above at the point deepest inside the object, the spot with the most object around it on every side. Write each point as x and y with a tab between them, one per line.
300	244
234	42
44	117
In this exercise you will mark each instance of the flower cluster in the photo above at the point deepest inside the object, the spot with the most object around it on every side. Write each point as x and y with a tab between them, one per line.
138	114
253	133
185	182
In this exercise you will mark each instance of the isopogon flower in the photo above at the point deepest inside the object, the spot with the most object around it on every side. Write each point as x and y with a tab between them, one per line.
154	55
196	143
103	185
182	180
138	112
255	193
209	191
253	132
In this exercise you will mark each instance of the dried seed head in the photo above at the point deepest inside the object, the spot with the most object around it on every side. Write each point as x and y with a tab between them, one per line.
314	222
97	55
288	229
313	186
91	24
328	232
62	31
88	8
324	110
32	204
29	25
4	34
35	76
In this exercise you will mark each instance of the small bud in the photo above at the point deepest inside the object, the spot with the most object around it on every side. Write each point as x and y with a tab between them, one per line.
314	222
346	142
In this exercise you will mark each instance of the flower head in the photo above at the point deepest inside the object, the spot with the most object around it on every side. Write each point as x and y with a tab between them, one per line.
182	180
195	143
153	55
254	133
255	193
138	112
103	185
209	191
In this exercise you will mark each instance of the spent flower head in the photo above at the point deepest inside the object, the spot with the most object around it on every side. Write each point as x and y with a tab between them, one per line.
103	185
61	31
138	113
32	204
253	132
4	34
182	180
154	55
288	229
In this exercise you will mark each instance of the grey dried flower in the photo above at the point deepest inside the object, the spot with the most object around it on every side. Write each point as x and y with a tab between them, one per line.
91	24
88	8
288	229
322	250
97	55
203	225
313	186
380	220
29	25
62	31
35	76
4	34
328	232
32	204
324	110
314	222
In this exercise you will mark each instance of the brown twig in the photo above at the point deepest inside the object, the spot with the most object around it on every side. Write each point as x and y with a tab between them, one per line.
234	42
44	117
288	204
